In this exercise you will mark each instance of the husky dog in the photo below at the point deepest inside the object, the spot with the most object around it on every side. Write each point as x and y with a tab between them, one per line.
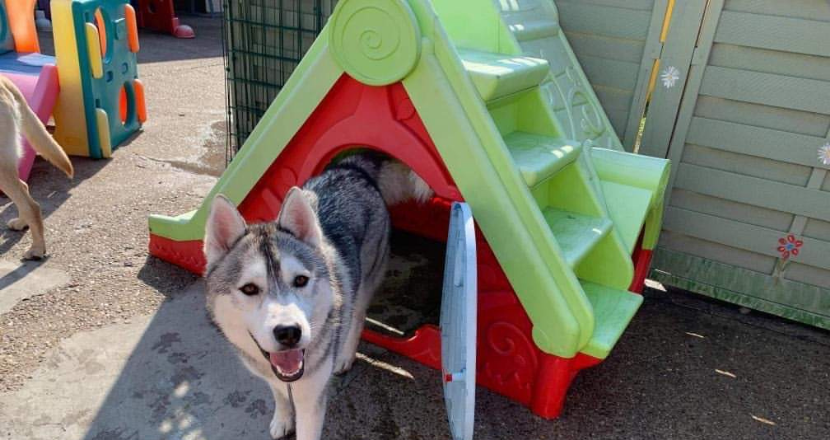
292	295
17	117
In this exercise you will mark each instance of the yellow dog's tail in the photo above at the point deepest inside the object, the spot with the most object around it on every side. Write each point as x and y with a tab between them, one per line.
34	131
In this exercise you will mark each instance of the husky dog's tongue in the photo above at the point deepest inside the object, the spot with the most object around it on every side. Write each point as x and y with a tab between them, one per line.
288	364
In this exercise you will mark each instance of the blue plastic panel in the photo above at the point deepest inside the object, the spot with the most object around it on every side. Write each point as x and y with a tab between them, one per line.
120	70
6	38
24	63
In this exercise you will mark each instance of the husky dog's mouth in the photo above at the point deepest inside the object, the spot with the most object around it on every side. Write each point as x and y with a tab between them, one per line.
287	365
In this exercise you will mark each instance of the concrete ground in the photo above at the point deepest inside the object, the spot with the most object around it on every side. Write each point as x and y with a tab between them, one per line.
103	342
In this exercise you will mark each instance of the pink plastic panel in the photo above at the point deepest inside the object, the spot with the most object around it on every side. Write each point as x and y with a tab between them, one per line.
41	92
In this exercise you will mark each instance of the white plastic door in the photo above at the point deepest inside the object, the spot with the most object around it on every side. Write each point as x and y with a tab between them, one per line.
458	323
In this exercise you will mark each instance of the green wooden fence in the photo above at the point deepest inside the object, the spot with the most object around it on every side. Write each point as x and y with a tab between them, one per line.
742	107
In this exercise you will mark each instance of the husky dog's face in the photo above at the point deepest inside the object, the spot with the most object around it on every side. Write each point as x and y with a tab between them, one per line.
268	285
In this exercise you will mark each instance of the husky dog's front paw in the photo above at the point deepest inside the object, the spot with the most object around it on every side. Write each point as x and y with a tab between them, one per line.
17	224
281	426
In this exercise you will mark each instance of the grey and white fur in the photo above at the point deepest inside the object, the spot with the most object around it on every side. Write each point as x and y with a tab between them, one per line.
291	295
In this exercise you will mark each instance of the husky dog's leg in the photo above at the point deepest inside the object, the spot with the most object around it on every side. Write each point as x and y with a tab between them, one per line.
309	396
379	252
283	422
347	357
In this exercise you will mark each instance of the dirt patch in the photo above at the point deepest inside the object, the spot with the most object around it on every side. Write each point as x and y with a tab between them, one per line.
411	294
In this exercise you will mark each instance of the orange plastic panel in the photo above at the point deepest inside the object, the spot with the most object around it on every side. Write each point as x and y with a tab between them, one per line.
132	28
102	31
22	24
122	104
140	107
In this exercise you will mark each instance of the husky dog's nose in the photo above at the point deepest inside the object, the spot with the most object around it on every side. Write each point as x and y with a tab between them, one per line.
288	335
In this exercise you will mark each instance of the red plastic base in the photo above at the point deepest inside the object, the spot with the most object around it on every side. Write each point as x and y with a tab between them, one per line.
384	119
160	15
642	264
185	254
423	347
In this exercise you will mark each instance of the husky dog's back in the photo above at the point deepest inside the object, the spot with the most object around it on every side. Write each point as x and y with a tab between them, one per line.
355	221
292	295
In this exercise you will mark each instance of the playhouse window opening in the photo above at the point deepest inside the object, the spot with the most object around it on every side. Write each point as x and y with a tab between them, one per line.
410	296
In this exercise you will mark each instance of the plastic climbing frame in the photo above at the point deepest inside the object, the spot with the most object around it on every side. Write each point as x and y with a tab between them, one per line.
102	100
452	95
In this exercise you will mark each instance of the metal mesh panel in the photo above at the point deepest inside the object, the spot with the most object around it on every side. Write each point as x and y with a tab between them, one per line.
264	42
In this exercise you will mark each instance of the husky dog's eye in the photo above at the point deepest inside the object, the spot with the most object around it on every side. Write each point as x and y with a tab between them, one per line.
249	289
300	281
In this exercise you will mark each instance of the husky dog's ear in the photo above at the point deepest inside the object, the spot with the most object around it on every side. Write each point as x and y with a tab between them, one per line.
224	227
299	218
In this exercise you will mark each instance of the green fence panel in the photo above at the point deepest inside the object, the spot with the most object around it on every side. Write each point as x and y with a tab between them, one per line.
617	43
748	216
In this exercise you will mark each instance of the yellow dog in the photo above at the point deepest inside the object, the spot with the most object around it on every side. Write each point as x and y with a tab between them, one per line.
15	118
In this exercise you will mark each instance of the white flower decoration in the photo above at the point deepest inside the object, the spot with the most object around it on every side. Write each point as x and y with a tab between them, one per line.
670	76
824	154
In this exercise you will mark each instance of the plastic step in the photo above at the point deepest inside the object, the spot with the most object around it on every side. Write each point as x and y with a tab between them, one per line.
613	311
576	233
498	75
539	157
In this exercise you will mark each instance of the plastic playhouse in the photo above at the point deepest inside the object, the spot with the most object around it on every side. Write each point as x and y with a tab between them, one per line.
91	86
564	229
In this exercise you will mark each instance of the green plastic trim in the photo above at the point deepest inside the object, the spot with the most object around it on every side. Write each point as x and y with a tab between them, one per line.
654	224
376	43
646	172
